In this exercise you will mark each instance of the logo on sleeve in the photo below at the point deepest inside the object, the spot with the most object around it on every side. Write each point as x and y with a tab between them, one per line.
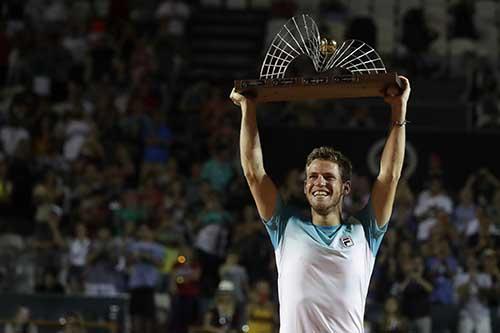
346	241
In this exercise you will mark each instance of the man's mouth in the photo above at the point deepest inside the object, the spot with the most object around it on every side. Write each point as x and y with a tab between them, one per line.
320	194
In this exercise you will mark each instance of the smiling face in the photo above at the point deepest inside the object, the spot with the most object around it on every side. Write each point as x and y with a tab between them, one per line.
324	187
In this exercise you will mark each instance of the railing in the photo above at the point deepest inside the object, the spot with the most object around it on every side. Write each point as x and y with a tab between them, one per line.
99	314
54	326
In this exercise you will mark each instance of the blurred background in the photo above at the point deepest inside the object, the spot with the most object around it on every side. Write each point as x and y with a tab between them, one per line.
123	207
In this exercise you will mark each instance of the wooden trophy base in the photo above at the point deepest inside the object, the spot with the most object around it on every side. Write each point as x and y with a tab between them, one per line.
321	87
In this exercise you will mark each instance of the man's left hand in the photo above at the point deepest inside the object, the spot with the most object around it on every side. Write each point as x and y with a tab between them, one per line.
398	98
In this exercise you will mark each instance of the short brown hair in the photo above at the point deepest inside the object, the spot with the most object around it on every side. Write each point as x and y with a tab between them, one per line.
330	154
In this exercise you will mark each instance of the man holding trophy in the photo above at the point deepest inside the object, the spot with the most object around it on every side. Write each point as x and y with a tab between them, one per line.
324	262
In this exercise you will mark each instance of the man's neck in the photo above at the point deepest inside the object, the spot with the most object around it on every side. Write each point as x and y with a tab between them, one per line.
331	219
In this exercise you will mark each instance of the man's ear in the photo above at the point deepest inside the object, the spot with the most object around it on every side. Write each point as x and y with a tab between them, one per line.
304	187
346	187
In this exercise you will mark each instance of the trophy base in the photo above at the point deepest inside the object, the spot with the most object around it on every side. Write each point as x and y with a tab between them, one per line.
321	87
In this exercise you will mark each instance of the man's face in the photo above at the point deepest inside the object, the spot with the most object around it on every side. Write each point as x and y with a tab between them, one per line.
323	186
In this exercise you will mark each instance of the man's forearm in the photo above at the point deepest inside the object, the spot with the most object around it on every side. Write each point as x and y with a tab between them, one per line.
250	149
391	162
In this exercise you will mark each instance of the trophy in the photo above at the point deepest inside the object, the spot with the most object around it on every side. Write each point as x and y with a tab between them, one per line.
352	70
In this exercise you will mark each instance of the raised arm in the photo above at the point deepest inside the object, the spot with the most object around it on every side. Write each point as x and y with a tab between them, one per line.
391	162
263	190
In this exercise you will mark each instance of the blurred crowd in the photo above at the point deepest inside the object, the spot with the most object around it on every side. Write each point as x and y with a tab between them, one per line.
119	178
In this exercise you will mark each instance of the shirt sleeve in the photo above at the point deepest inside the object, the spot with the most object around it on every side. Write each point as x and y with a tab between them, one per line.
373	233
276	225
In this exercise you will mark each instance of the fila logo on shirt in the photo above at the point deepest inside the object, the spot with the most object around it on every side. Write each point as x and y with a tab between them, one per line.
346	241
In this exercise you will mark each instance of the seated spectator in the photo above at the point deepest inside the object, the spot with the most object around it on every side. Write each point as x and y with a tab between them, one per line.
261	311
72	322
21	323
224	316
50	283
392	321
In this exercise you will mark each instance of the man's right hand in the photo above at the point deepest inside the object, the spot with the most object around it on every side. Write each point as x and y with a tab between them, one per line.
240	99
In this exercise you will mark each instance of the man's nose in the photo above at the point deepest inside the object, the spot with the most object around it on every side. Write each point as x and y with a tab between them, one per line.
320	181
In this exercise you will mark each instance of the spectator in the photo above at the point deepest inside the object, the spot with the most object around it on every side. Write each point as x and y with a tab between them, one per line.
462	24
21	323
417	37
78	250
13	276
494	210
5	187
262	313
491	266
232	271
50	283
392	320
211	242
130	209
479	232
176	13
101	275
429	202
293	188
404	204
185	290
145	260
15	130
48	240
361	118
473	288
73	322
157	138
224	316
442	267
218	170
465	210
414	290
76	131
257	260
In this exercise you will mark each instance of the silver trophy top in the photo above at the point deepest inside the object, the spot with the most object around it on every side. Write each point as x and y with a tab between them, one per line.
300	36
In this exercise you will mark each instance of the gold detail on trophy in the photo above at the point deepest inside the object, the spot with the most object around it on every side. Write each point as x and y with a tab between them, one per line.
327	47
